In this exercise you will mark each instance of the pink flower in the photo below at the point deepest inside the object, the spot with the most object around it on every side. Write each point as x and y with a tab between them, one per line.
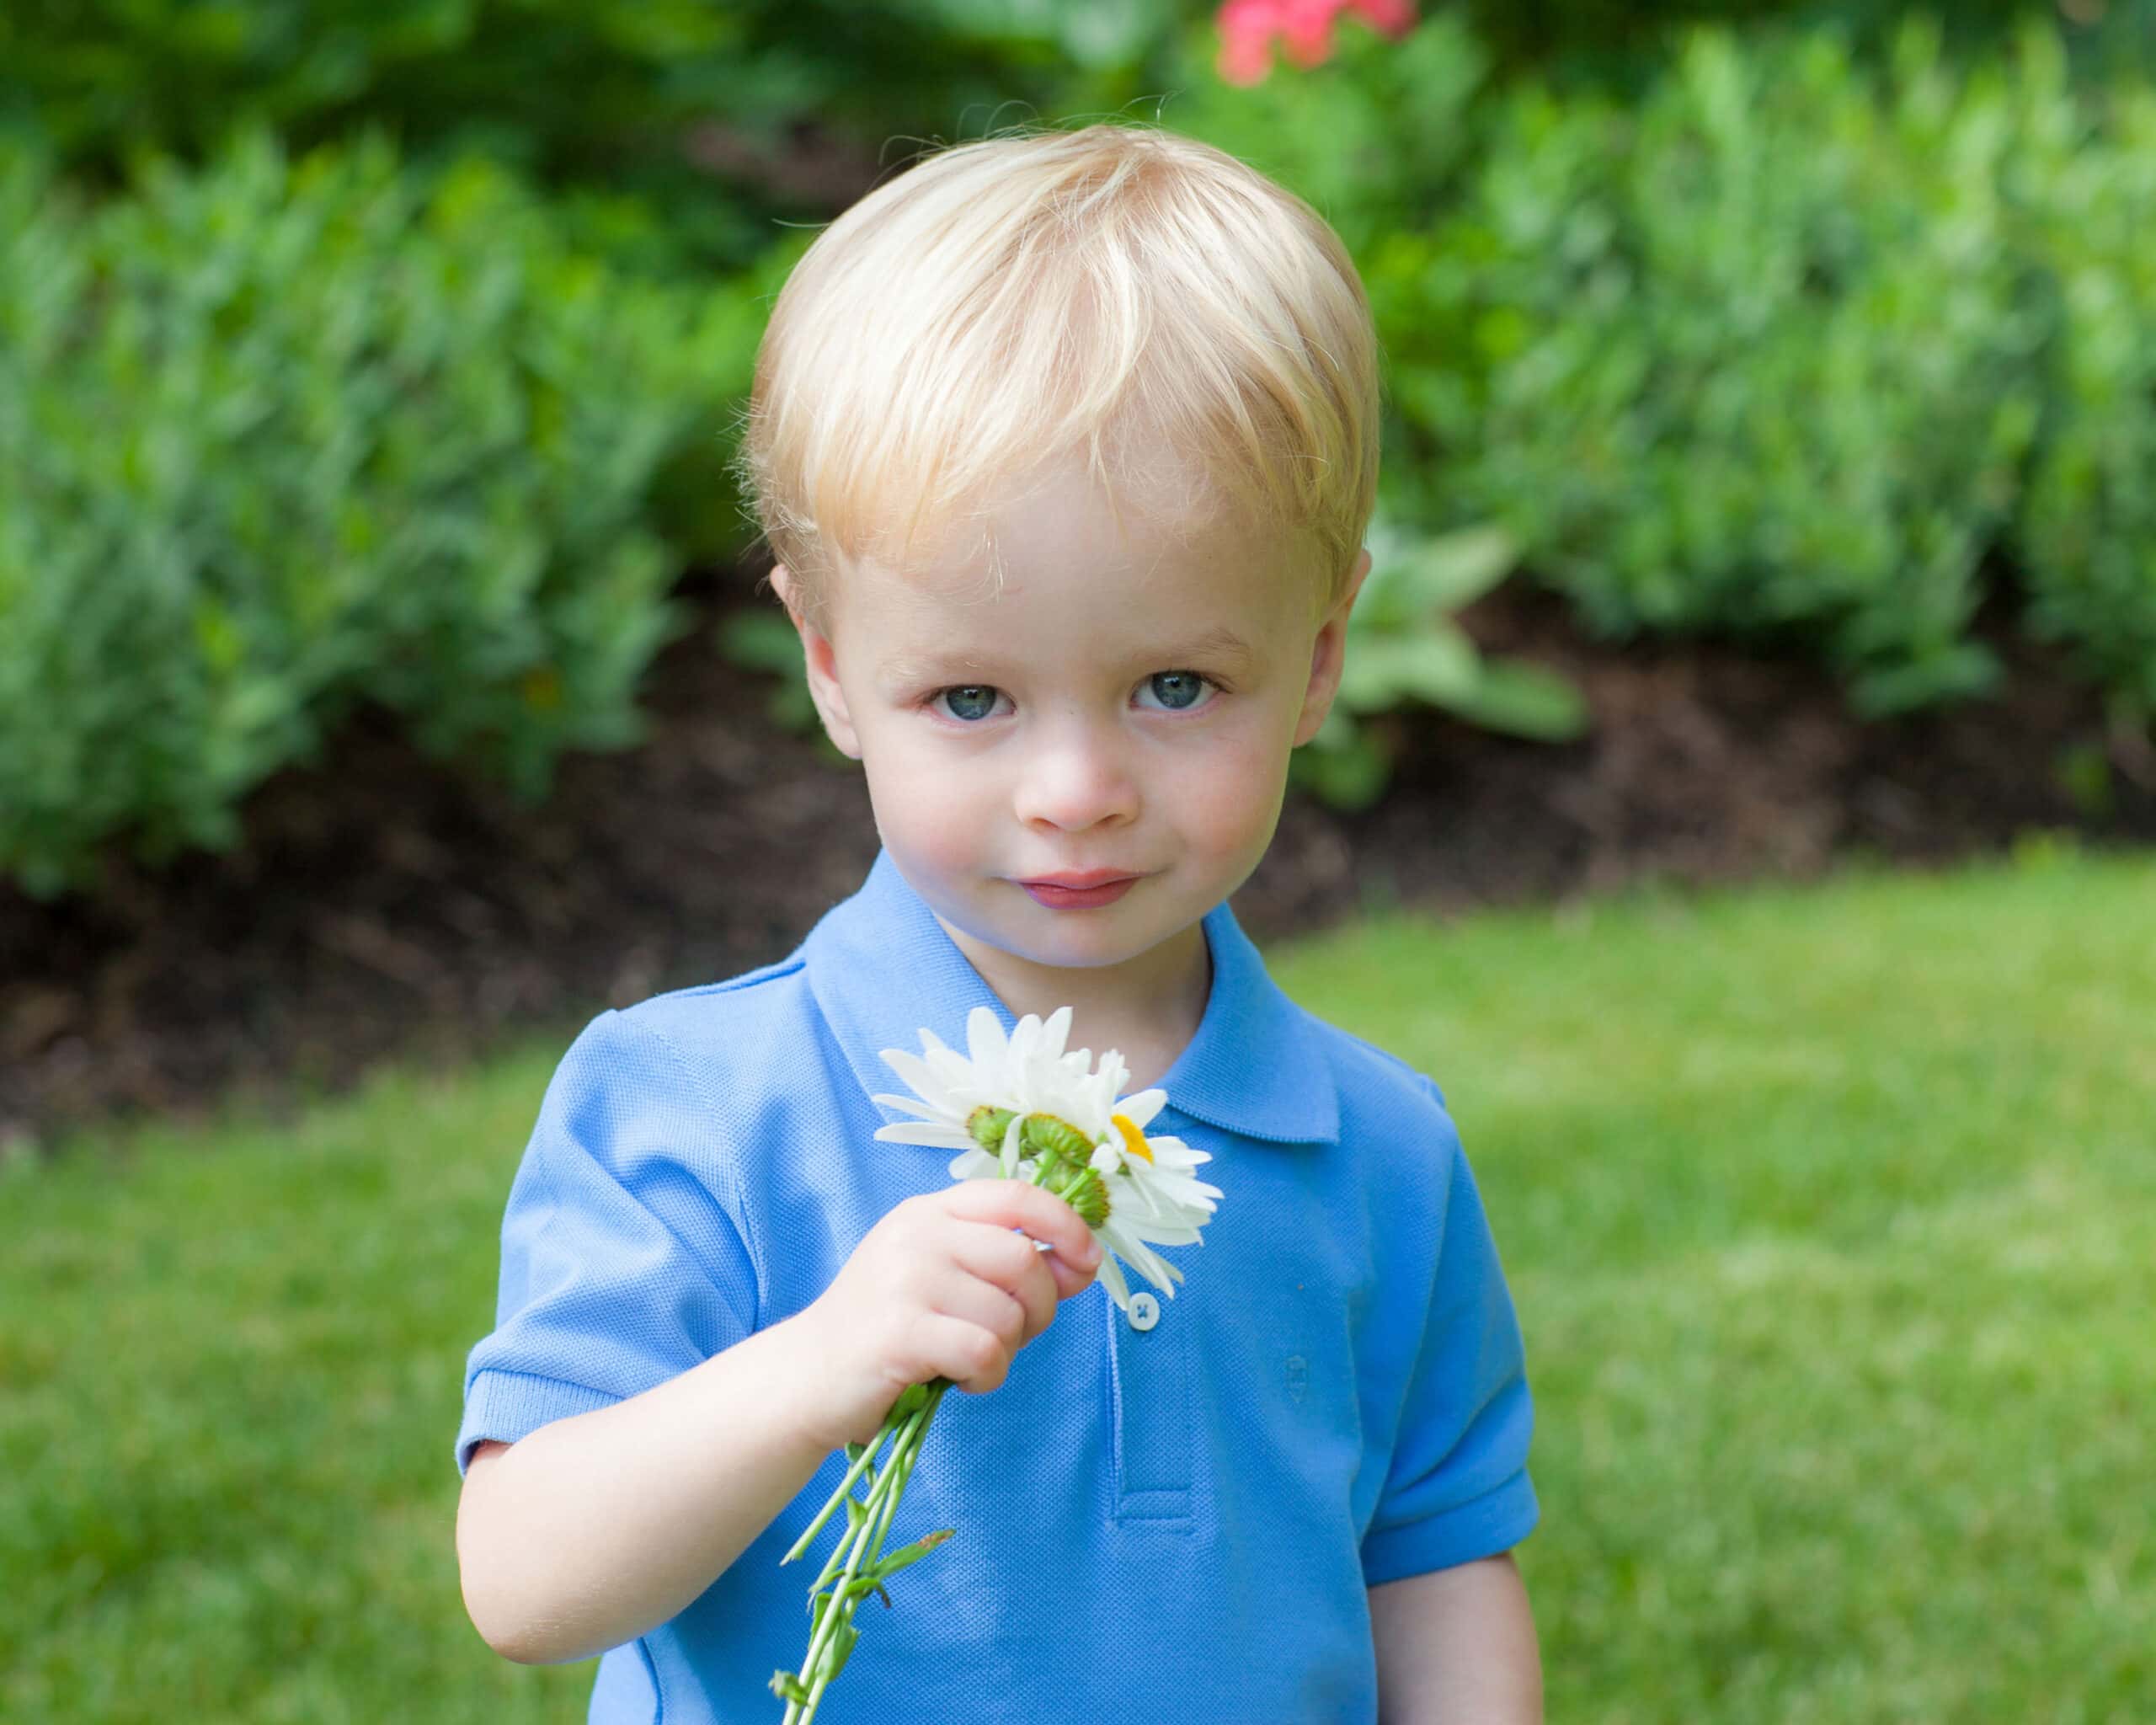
1246	28
1391	17
1304	28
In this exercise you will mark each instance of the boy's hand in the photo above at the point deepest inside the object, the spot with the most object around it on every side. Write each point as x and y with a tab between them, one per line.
941	1287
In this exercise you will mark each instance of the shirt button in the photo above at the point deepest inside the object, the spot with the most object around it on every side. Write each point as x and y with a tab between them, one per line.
1144	1311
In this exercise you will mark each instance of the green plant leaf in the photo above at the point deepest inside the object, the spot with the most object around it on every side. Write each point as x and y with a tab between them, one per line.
1455	569
1437	665
1526	700
1347	774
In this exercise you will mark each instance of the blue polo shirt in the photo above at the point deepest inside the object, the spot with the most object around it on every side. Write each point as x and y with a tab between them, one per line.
1177	1524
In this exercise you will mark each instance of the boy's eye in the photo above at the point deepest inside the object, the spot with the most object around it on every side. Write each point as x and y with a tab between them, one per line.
1177	692
968	701
1177	689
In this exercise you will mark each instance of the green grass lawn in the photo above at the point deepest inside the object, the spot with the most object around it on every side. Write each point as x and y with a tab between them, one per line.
1831	1214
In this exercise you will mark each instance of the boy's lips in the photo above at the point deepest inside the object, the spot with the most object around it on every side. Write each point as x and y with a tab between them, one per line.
1080	881
1079	892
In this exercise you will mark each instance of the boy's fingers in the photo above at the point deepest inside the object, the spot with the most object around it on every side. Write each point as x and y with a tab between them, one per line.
1011	1263
1012	1317
1070	1280
1015	1203
1069	1276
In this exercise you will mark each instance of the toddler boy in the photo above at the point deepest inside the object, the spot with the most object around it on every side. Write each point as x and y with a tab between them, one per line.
1066	443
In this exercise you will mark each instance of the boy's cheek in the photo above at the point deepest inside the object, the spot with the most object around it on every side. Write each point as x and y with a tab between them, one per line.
1238	793
923	812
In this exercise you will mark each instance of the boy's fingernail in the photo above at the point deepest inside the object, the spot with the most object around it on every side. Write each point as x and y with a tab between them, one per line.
1089	1255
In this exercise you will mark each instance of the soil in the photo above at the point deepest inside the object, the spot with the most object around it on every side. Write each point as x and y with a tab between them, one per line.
381	905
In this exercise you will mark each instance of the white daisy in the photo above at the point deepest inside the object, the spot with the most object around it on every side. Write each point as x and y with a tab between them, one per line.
1151	1197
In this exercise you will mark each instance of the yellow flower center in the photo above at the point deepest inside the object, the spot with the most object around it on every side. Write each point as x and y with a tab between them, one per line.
1134	1141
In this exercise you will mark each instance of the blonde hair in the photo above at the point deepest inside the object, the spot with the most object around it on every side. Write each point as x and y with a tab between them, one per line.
989	311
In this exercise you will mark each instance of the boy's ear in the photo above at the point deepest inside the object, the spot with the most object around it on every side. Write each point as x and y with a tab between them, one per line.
821	664
1329	656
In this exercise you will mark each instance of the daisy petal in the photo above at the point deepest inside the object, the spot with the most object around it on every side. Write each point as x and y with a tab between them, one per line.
955	1073
985	1039
1149	1264
908	1105
1141	1107
1025	1040
922	1132
1111	1272
1168	1235
920	1078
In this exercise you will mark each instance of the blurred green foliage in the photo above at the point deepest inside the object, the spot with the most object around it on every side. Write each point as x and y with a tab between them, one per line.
1786	346
1379	136
1760	354
764	640
1404	650
1783	332
286	436
1623	44
674	132
2086	536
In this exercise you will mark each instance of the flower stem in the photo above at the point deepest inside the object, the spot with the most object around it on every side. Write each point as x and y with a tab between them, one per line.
867	1538
846	1484
855	1560
839	1615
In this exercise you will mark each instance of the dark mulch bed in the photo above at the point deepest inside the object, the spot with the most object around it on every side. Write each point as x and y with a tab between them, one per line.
384	905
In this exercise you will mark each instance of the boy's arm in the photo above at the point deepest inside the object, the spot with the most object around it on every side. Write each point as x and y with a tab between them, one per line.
1457	1647
626	1372
593	1529
598	1526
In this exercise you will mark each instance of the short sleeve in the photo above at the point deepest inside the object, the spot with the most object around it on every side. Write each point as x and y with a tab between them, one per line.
625	1260
1458	1487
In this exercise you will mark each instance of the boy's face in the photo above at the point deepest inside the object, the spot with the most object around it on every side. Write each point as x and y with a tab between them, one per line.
1092	716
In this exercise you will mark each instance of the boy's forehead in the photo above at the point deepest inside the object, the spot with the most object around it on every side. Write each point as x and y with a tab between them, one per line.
913	624
1060	548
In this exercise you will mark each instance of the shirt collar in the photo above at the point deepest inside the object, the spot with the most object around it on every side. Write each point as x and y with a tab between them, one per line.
882	969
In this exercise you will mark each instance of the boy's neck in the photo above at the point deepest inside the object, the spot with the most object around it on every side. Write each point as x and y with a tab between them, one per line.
1147	1008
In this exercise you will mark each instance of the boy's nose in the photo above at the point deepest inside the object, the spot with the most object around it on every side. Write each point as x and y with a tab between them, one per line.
1075	781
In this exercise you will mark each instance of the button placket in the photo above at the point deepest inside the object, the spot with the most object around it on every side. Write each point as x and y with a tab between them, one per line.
1151	1370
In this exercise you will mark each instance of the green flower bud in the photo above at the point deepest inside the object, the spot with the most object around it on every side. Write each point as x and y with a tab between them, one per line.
988	1126
1089	1197
1043	1133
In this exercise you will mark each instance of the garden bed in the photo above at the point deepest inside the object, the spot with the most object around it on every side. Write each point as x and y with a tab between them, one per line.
382	905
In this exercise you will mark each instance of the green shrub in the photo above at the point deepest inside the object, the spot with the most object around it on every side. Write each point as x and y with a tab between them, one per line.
1376	138
667	129
1404	650
1760	356
2087	539
280	437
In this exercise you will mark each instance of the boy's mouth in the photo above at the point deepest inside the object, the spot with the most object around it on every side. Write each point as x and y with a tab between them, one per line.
1080	892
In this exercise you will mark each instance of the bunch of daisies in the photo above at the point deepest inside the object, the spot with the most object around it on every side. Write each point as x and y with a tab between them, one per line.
1019	1108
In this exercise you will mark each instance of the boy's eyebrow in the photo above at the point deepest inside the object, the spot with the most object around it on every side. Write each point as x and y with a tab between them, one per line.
1214	645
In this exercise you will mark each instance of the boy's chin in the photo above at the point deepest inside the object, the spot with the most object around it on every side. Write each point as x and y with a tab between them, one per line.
1035	934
